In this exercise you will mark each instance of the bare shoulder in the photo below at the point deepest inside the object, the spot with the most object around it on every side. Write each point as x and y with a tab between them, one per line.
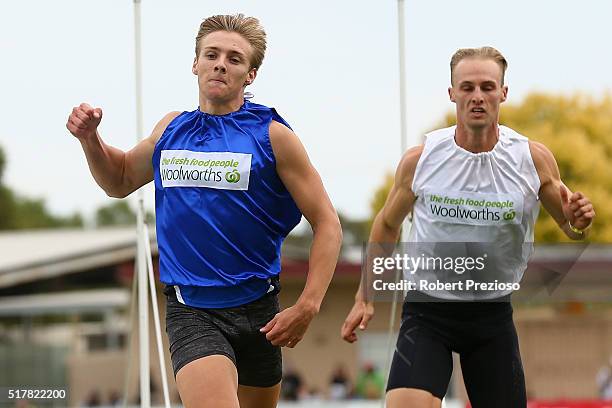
401	197
543	159
161	126
169	117
407	165
539	151
285	143
280	132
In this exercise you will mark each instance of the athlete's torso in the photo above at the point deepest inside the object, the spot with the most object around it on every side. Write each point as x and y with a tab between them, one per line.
489	198
222	211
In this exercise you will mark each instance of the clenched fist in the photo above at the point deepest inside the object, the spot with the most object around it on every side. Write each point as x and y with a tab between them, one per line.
83	121
577	208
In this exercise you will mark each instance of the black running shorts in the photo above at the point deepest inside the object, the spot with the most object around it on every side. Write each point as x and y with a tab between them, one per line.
233	332
484	336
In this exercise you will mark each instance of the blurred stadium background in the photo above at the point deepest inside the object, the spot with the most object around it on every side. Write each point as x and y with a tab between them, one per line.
65	323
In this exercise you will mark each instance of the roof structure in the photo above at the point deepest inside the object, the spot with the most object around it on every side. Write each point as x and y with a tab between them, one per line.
30	255
97	301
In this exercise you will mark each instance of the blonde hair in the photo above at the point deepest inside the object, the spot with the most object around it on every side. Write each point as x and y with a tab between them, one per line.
482	52
247	27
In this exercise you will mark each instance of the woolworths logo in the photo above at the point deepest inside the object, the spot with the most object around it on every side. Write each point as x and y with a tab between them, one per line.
232	176
509	215
220	170
471	207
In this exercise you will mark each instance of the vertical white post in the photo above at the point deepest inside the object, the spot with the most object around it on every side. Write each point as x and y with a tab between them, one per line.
143	306
403	148
402	88
401	12
158	336
402	74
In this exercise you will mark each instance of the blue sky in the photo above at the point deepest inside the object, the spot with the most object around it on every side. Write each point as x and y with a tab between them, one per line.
331	70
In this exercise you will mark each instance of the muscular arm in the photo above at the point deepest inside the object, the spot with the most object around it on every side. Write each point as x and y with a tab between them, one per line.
117	172
305	186
564	206
386	231
388	222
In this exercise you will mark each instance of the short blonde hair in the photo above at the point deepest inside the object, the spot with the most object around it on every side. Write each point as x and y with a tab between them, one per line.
247	27
482	52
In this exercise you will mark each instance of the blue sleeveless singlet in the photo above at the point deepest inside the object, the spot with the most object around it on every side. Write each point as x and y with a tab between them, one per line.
222	211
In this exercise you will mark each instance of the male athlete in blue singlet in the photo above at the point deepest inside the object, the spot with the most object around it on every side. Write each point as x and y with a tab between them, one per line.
231	181
442	183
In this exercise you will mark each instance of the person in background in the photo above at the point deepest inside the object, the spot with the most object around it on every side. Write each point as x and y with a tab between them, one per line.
339	385
604	381
370	383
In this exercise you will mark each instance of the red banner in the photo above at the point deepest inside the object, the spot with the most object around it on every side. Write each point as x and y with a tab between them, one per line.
570	404
566	404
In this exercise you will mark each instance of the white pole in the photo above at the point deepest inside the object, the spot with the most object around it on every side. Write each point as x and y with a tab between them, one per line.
143	309
403	147
402	75
158	337
402	85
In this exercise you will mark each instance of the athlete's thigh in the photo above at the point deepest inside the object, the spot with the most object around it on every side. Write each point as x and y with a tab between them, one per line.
422	361
259	363
258	397
195	333
202	358
411	397
493	372
208	382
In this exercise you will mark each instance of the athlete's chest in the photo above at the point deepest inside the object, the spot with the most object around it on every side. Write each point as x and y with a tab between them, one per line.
480	190
218	158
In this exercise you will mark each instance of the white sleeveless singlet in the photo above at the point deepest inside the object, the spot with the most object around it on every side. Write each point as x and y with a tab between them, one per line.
489	197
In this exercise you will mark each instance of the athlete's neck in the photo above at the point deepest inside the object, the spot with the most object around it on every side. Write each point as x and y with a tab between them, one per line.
477	140
221	107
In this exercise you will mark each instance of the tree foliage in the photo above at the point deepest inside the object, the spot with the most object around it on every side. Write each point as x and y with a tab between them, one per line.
578	131
119	212
355	231
2	163
18	212
380	196
116	213
33	213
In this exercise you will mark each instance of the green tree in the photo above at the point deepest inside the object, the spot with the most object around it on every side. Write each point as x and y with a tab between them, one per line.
119	212
2	163
33	213
7	208
19	212
577	130
116	213
355	231
380	197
